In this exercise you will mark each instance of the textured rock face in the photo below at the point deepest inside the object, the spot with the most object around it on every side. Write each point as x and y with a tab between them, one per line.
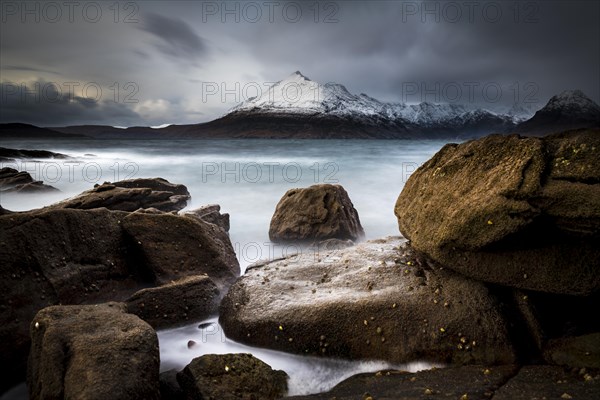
316	213
377	300
575	352
92	352
521	212
70	256
475	382
13	181
131	195
211	213
549	382
176	303
507	382
231	376
174	245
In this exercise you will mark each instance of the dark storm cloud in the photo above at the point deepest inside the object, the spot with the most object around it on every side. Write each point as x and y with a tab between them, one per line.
46	104
381	48
177	38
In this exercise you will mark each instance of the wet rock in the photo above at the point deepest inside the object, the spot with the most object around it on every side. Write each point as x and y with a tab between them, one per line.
71	256
520	212
169	244
169	387
231	376
377	300
332	244
212	214
176	303
92	352
574	352
549	382
131	195
316	213
13	181
475	382
24	154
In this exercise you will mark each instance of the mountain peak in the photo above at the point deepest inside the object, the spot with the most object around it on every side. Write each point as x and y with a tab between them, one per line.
571	98
298	75
568	110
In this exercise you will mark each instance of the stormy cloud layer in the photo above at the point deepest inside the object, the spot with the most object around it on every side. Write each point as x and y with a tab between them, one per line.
151	62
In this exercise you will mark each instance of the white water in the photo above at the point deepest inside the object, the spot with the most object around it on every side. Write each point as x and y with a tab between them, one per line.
247	178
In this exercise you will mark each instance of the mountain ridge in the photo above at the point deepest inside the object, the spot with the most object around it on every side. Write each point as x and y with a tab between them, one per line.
299	108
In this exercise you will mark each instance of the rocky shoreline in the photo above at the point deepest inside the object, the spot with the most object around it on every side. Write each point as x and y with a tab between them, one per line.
497	276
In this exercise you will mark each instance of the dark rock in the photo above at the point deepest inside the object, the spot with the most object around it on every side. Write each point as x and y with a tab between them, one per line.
231	376
475	382
169	244
316	213
210	213
549	382
570	109
41	154
520	212
92	352
169	387
574	352
69	256
131	195
13	181
176	303
367	302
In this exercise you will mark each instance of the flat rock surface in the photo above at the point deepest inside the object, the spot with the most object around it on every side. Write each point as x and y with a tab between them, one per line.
376	300
131	195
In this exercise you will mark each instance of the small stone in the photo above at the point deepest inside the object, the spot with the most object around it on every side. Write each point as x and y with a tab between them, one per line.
566	396
428	392
191	344
37	325
487	372
464	397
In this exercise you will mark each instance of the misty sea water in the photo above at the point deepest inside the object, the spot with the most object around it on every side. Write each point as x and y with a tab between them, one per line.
246	178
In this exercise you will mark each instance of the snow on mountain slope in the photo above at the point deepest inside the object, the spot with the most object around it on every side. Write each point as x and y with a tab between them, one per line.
298	95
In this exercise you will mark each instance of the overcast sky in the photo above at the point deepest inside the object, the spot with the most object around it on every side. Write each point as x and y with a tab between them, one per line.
160	62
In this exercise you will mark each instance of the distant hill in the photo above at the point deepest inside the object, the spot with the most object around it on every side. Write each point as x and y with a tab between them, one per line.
299	108
570	109
27	131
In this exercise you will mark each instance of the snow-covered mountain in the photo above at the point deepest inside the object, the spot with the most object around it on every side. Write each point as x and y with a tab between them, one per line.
299	97
568	110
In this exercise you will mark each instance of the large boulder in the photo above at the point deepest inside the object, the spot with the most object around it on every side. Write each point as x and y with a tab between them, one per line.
92	352
130	195
521	212
377	300
68	256
231	376
168	244
316	213
192	298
